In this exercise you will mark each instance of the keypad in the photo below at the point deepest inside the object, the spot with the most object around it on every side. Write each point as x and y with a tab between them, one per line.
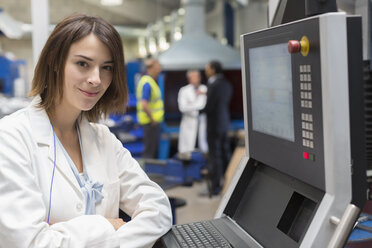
306	96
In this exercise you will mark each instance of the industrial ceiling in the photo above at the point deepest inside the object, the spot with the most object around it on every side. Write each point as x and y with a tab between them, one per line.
131	13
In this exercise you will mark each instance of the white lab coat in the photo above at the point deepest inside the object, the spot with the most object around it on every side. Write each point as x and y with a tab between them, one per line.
189	104
26	165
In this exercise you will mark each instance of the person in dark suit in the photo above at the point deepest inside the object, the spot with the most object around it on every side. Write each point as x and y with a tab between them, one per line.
218	121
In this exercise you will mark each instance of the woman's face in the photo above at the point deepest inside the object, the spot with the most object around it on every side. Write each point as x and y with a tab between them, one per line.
87	74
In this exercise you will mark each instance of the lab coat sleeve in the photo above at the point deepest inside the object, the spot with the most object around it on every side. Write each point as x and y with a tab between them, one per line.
143	200
186	105
22	209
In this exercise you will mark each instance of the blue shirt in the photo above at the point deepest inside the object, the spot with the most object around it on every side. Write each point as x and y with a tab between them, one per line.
146	92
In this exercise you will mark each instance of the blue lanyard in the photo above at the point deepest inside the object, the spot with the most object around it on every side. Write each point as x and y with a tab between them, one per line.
54	168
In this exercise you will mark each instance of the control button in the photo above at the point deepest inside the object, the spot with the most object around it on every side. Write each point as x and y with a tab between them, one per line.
310	126
303	116
303	142
304	134
302	103
310	117
310	104
305	155
302	68
308	86
294	46
312	157
311	144
302	77
309	95
302	85
311	135
308	68
309	77
303	124
302	95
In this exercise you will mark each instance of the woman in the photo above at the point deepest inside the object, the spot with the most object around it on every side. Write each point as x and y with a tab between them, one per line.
63	177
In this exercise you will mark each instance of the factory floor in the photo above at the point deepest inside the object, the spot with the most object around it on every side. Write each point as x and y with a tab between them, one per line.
197	207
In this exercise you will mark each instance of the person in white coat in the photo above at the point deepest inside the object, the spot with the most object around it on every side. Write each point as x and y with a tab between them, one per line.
191	99
63	177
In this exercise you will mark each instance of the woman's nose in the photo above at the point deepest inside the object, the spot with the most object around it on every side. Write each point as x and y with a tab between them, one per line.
94	76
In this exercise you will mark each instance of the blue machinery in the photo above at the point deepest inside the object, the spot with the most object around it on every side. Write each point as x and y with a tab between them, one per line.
9	72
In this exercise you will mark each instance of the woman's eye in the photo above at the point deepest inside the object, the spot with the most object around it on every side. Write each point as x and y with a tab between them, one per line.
82	64
108	68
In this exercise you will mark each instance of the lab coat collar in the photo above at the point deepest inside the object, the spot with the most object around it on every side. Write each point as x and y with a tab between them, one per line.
40	122
43	134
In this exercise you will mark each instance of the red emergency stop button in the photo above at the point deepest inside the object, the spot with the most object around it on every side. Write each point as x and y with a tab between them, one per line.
303	46
294	46
305	155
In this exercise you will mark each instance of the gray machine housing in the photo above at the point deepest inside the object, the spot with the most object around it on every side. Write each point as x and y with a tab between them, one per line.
328	182
278	197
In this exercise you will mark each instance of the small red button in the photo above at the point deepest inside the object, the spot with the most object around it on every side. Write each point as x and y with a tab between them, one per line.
294	46
305	155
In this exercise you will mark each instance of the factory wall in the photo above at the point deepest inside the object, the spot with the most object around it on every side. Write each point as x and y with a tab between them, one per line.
251	18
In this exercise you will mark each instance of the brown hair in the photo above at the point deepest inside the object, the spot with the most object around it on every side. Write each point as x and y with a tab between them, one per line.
49	77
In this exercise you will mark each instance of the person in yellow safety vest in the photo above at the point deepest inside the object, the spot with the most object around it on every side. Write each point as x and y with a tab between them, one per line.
150	107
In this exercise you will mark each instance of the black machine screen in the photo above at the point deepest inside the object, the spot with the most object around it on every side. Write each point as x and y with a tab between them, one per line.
271	91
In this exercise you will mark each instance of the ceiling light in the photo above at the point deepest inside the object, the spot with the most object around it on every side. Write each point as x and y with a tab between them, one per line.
152	45
177	35
142	51
167	18
181	11
111	2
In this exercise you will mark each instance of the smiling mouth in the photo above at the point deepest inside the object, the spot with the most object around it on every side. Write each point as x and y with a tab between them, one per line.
89	94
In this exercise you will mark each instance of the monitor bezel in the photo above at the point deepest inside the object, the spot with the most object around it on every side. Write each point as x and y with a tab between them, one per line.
272	150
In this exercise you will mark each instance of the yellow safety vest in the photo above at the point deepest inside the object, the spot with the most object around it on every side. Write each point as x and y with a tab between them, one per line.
156	102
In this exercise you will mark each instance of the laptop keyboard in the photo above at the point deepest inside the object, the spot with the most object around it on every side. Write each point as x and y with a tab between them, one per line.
199	234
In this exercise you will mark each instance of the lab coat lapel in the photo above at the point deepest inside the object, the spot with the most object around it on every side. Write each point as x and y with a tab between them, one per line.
43	134
62	164
91	151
